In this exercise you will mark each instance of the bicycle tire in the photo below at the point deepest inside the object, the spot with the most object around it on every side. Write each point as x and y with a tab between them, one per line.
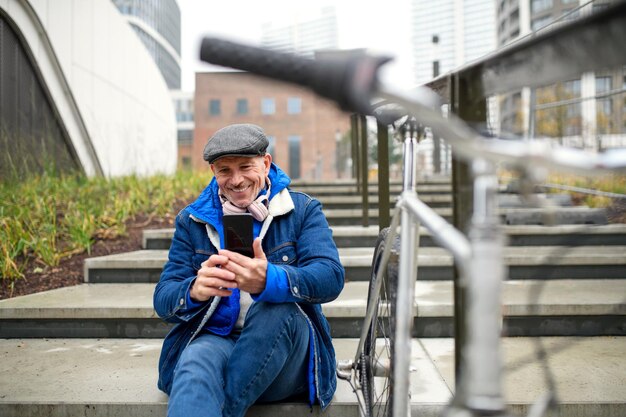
379	343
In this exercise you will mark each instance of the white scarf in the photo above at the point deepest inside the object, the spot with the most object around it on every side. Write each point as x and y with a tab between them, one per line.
258	208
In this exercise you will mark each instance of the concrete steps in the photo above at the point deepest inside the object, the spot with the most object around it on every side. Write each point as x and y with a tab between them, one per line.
590	307
524	262
92	350
351	189
431	179
516	235
523	235
354	201
341	201
510	216
441	200
117	378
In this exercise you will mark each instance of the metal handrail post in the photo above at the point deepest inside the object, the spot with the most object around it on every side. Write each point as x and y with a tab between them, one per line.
384	204
436	154
469	104
459	219
364	170
354	148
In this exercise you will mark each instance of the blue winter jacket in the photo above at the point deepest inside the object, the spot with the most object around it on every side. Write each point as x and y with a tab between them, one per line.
295	238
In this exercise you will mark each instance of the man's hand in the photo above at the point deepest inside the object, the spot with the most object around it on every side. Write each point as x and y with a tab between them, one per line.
213	279
250	273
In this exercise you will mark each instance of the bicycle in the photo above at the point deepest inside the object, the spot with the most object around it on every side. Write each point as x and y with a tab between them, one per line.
380	369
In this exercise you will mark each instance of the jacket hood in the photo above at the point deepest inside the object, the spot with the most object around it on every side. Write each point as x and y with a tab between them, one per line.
208	207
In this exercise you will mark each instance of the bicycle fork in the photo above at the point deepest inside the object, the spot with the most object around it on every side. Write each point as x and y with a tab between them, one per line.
407	274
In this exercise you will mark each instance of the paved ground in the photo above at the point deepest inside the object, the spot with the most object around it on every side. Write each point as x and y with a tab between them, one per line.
115	375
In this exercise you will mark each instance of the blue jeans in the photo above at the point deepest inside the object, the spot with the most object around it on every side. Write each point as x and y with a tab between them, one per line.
224	376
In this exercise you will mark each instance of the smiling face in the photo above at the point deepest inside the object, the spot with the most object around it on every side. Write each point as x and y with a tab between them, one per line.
241	178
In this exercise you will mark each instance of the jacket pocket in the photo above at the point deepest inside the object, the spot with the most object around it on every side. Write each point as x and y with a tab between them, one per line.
283	254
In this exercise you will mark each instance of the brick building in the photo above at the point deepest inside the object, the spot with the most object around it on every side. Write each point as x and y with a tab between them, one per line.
303	129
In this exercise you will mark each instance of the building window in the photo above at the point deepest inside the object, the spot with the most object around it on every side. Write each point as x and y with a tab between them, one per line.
294	105
604	106
603	84
268	106
294	156
215	107
540	5
435	69
574	111
271	148
514	18
540	23
185	117
596	7
185	137
574	120
571	14
184	110
242	106
562	119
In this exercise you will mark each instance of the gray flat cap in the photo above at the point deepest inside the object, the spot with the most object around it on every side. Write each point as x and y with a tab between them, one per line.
236	140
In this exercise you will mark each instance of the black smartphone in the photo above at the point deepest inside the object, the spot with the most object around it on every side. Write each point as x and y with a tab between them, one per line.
238	233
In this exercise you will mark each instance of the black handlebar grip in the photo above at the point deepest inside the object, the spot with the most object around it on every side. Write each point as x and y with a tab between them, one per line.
350	80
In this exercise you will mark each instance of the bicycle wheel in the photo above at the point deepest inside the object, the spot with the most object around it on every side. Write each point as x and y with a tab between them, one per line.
376	367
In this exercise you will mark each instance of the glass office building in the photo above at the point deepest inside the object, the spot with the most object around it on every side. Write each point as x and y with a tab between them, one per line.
157	23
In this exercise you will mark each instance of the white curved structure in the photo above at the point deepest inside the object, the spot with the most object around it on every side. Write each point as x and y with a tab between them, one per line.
162	43
109	94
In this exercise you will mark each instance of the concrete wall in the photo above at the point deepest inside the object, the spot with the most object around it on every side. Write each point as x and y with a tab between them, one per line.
110	95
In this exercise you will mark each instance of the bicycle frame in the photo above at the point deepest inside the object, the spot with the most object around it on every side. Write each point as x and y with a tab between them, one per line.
481	389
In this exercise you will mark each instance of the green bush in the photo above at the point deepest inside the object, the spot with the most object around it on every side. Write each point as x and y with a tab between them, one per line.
46	218
607	183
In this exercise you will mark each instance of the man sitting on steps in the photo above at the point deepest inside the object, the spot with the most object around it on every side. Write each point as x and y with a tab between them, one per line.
247	329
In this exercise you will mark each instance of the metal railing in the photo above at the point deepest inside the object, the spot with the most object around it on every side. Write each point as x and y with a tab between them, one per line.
533	61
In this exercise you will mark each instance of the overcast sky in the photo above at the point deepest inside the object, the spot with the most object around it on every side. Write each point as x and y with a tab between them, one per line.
380	29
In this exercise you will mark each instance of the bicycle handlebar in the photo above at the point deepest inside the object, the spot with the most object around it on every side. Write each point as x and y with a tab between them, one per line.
351	80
